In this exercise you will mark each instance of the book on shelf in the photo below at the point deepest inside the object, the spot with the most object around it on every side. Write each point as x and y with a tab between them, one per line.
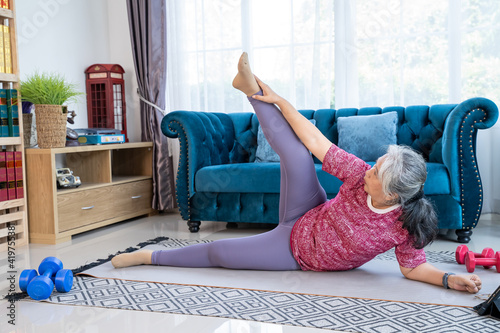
7	49
12	112
4	121
5	4
3	191
3	167
18	165
9	113
2	52
3	177
11	175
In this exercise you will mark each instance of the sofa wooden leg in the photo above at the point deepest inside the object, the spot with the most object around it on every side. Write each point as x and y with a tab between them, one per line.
194	226
232	225
463	236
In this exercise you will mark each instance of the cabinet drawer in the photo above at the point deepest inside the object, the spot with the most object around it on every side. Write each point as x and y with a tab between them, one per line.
84	207
132	197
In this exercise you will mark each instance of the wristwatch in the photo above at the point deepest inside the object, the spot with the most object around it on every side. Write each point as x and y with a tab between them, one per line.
445	279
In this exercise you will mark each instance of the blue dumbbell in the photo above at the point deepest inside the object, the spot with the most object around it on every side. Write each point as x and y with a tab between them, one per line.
51	273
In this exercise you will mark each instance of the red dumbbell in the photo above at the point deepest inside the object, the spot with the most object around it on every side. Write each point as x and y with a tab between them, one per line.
471	261
463	249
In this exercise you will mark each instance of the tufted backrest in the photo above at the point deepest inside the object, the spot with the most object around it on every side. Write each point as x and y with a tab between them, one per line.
420	127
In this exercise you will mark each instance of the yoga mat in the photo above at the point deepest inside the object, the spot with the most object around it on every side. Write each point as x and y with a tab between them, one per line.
379	279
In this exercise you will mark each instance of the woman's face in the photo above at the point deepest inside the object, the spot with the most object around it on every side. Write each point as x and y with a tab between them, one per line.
373	186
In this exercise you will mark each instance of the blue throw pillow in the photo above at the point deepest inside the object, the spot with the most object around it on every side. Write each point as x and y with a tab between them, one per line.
368	137
264	151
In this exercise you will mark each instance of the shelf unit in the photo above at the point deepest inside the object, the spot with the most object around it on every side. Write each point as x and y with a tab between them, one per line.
117	184
13	213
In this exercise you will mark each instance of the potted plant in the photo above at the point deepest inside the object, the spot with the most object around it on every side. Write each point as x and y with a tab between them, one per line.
48	92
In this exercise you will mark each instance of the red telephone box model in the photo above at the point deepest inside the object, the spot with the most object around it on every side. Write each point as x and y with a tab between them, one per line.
106	97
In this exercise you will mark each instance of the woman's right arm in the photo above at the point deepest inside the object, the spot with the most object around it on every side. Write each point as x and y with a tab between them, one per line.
309	134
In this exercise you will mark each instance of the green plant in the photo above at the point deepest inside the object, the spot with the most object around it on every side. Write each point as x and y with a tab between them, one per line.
48	88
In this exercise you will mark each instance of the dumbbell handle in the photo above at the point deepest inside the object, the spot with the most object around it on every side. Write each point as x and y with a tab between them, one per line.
486	261
471	262
479	255
48	273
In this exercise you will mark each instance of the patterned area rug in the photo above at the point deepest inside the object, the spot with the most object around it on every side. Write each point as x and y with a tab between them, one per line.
326	312
285	308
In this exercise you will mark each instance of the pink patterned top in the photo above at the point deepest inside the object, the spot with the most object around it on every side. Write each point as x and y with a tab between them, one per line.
346	232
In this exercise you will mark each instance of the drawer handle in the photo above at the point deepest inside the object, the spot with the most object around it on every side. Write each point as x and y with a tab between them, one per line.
136	196
87	208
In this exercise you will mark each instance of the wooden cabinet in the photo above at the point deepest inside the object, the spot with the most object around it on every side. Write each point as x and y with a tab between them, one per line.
13	217
116	185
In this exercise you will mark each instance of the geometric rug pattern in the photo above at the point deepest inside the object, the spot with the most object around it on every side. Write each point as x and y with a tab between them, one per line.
348	314
326	312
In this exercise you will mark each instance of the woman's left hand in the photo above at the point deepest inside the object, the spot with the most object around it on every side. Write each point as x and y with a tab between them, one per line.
470	283
268	95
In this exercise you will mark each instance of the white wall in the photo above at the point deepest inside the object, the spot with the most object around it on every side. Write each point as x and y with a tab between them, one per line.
67	36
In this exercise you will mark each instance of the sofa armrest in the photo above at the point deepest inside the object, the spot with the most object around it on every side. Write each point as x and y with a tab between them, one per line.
205	138
459	154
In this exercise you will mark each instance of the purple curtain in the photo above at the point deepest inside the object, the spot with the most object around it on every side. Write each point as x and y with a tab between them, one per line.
147	21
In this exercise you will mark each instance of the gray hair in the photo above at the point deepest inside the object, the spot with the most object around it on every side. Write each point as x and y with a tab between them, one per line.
402	173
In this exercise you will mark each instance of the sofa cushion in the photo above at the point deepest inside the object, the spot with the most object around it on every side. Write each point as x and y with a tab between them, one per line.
265	178
239	177
368	137
264	151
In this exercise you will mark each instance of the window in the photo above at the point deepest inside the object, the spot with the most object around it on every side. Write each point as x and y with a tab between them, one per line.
334	53
290	45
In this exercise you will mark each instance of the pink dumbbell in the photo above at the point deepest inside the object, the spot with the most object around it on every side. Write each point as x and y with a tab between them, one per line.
463	249
471	261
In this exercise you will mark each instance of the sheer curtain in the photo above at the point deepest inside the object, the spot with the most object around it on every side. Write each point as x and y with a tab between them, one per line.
290	46
340	53
480	76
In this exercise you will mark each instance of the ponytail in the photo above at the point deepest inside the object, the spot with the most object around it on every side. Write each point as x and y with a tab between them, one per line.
420	219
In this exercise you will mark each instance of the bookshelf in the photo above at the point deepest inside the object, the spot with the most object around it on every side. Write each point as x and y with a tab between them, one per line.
13	212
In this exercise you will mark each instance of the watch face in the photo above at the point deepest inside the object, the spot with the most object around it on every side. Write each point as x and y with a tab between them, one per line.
71	134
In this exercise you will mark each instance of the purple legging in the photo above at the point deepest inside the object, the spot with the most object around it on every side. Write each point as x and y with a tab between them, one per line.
300	191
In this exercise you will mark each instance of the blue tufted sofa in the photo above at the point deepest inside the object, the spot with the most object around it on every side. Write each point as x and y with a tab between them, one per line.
217	179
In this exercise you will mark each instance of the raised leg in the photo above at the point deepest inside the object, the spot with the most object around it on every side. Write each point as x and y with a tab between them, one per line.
300	189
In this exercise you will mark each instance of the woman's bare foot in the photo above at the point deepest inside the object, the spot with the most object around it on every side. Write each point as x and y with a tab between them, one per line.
132	259
244	80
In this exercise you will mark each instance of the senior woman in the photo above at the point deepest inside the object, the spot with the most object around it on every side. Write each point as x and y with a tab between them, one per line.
377	208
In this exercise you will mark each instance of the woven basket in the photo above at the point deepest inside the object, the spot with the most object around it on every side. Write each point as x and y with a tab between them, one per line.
50	126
